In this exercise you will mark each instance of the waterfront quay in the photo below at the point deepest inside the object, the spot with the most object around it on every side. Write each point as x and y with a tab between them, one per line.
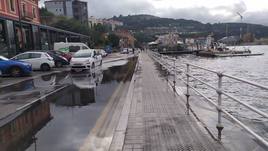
129	104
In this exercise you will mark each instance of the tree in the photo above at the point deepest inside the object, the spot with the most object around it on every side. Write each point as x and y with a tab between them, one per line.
113	40
46	17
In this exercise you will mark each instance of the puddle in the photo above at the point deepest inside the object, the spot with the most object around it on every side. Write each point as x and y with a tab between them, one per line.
62	120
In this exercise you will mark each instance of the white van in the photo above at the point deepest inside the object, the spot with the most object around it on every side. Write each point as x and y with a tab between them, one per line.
70	47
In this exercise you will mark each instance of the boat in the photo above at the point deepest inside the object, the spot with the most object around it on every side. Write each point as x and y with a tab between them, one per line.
217	49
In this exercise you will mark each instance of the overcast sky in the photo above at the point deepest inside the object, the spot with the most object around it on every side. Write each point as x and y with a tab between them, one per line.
213	11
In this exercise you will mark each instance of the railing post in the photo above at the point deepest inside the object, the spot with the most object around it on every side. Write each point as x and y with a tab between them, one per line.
219	92
174	77
187	88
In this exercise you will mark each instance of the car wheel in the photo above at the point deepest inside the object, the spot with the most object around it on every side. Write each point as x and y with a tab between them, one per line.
58	64
15	72
45	67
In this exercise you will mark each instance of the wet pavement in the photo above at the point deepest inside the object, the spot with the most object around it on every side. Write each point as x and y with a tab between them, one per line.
69	106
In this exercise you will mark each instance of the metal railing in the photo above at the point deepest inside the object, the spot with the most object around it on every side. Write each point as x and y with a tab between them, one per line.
169	64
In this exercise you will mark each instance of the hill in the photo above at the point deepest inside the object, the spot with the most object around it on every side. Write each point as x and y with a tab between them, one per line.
149	26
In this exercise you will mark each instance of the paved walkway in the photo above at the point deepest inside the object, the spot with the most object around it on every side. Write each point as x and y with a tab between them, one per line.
157	119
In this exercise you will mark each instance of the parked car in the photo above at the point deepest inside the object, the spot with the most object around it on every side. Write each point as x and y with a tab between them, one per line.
102	52
68	56
58	59
124	51
69	47
39	60
85	59
14	68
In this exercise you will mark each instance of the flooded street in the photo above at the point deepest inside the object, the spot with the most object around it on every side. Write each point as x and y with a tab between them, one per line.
61	120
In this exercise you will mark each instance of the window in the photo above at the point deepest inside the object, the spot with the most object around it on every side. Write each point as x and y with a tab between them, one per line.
23	56
84	47
74	48
35	55
34	13
23	9
12	5
3	44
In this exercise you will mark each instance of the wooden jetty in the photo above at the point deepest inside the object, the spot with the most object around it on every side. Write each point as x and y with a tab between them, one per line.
149	117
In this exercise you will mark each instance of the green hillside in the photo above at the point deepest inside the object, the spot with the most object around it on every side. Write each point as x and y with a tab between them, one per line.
147	25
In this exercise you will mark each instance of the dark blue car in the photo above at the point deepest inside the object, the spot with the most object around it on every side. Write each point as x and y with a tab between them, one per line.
14	68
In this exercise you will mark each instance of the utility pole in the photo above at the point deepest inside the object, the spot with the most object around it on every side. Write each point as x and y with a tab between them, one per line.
226	30
241	17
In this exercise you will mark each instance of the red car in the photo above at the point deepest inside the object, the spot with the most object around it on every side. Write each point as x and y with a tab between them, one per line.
65	55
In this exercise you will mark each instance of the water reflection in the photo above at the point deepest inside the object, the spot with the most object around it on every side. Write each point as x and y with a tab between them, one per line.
16	132
74	109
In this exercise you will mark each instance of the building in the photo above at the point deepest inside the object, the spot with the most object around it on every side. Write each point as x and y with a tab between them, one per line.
20	29
127	40
27	10
113	23
169	40
70	8
92	21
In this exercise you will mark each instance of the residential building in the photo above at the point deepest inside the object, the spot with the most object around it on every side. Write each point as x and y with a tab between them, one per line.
171	40
27	10
92	21
127	40
20	29
113	23
70	8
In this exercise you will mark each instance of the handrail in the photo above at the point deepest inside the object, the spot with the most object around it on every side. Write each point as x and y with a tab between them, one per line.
170	65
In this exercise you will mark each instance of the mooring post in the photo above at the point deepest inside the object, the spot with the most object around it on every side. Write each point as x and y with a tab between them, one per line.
219	92
174	77
187	89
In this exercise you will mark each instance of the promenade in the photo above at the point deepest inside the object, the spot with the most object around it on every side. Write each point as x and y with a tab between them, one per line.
152	118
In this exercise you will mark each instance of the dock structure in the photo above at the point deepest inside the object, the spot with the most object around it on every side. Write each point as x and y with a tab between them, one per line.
153	118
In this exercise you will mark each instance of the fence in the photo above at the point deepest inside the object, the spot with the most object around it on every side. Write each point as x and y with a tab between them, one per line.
170	65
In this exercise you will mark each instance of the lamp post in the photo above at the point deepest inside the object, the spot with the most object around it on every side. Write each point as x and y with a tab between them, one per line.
241	17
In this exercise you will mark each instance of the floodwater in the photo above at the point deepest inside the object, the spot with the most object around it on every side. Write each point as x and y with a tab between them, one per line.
62	120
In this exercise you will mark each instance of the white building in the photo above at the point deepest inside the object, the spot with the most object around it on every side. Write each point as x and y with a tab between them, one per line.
70	8
171	40
92	21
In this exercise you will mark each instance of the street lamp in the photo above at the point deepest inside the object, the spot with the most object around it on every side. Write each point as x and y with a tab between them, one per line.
241	17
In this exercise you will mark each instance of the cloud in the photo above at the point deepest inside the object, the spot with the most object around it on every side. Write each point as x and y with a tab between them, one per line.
108	8
220	11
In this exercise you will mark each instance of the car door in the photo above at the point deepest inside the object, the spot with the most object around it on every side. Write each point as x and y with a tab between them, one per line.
23	57
2	66
35	59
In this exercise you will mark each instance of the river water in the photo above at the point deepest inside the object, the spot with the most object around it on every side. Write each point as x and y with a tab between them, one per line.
253	68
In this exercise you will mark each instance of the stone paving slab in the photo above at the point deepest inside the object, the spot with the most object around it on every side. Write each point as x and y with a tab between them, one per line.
157	119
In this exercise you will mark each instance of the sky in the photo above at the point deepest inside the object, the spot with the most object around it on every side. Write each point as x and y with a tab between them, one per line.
206	11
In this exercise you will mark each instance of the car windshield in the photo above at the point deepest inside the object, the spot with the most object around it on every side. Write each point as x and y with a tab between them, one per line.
3	58
82	55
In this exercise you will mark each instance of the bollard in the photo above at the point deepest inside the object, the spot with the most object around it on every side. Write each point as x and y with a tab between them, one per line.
219	92
187	89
